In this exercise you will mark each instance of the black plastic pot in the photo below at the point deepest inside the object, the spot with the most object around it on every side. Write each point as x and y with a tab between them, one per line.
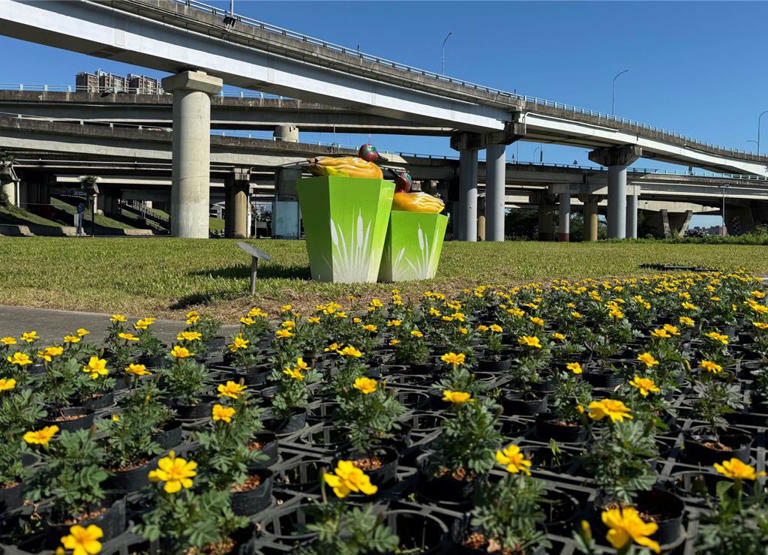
560	510
269	448
330	438
446	489
418	532
700	485
70	419
195	412
414	400
100	402
739	442
513	403
253	501
128	481
547	429
285	426
460	531
382	475
302	475
288	527
606	379
112	524
169	436
10	498
491	365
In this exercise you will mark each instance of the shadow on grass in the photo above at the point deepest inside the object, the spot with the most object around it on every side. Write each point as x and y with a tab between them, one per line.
265	271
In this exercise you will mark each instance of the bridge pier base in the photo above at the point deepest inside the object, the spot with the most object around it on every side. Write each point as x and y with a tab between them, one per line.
632	217
616	159
236	201
495	191
190	189
590	217
546	217
564	217
286	133
467	195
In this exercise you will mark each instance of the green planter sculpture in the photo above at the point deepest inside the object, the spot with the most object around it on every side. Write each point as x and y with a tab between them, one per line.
345	223
413	246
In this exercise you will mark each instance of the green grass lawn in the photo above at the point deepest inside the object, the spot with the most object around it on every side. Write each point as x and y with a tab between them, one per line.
18	216
101	220
165	276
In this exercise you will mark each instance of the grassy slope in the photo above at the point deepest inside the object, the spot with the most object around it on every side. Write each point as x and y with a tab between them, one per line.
18	216
164	276
101	220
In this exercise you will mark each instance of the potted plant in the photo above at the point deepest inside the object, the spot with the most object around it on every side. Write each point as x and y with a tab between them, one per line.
289	405
186	381
492	359
564	421
527	372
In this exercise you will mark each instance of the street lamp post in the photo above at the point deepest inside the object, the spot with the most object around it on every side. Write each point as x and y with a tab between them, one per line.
758	129
723	230
613	95
442	57
752	141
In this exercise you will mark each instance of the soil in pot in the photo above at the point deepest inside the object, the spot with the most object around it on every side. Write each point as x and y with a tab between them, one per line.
110	518
266	444
380	466
132	477
547	428
70	419
457	487
707	450
10	497
515	403
254	495
195	412
99	400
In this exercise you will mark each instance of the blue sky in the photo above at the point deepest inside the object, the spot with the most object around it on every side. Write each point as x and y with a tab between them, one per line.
695	68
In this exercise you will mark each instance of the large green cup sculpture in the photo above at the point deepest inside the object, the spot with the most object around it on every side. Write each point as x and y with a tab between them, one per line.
345	223
413	246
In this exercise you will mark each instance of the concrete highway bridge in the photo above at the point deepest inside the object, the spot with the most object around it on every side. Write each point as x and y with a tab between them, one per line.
205	47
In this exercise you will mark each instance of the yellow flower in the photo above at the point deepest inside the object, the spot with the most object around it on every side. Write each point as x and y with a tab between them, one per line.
615	410
8	340
137	370
96	367
416	333
180	352
758	294
463	331
495	328
177	473
645	385
689	306
313	320
19	359
760	325
286	308
72	339
686	321
575	314
558	336
332	347
189	336
247	321
514	460
283	334
82	332
625	526
530	341
41	437
118	318
759	308
365	385
393	323
376	303
192	317
223	413
288	324
660	332
29	336
457	397
538	321
713	335
115	418
257	313
127	336
369	327
301	365
48	353
647	359
711	367
482	328
574	367
7	384
294	373
454	359
350	351
348	478
83	541
238	343
144	323
231	389
394	342
737	470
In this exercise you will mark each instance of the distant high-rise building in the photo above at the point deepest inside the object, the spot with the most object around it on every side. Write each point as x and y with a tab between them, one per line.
86	82
105	82
141	84
111	83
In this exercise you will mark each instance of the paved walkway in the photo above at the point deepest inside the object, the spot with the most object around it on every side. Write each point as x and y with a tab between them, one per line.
53	325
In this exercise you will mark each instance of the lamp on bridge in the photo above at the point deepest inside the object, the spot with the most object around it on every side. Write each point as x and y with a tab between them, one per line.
613	95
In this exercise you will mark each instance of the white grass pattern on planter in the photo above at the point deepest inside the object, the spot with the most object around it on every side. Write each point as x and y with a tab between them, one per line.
352	256
425	265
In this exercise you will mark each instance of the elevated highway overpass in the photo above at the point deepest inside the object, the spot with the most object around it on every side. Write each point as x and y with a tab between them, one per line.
174	36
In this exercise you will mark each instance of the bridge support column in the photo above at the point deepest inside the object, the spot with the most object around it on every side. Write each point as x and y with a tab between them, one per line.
495	191
286	133
190	189
564	217
632	217
482	220
286	219
236	202
590	217
546	218
467	195
616	159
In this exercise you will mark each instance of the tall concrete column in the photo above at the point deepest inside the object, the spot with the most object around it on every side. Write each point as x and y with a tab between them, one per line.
9	181
286	133
546	217
236	204
616	159
468	195
495	191
190	190
632	217
564	217
590	217
481	218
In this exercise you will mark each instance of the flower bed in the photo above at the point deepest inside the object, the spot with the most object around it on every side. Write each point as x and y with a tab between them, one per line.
593	416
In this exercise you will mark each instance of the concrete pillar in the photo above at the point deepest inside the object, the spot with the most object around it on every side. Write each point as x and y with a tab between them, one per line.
590	217
9	181
236	200
148	204
468	195
546	218
564	217
616	159
286	222
495	190
482	221
10	190
286	133
632	217
190	190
